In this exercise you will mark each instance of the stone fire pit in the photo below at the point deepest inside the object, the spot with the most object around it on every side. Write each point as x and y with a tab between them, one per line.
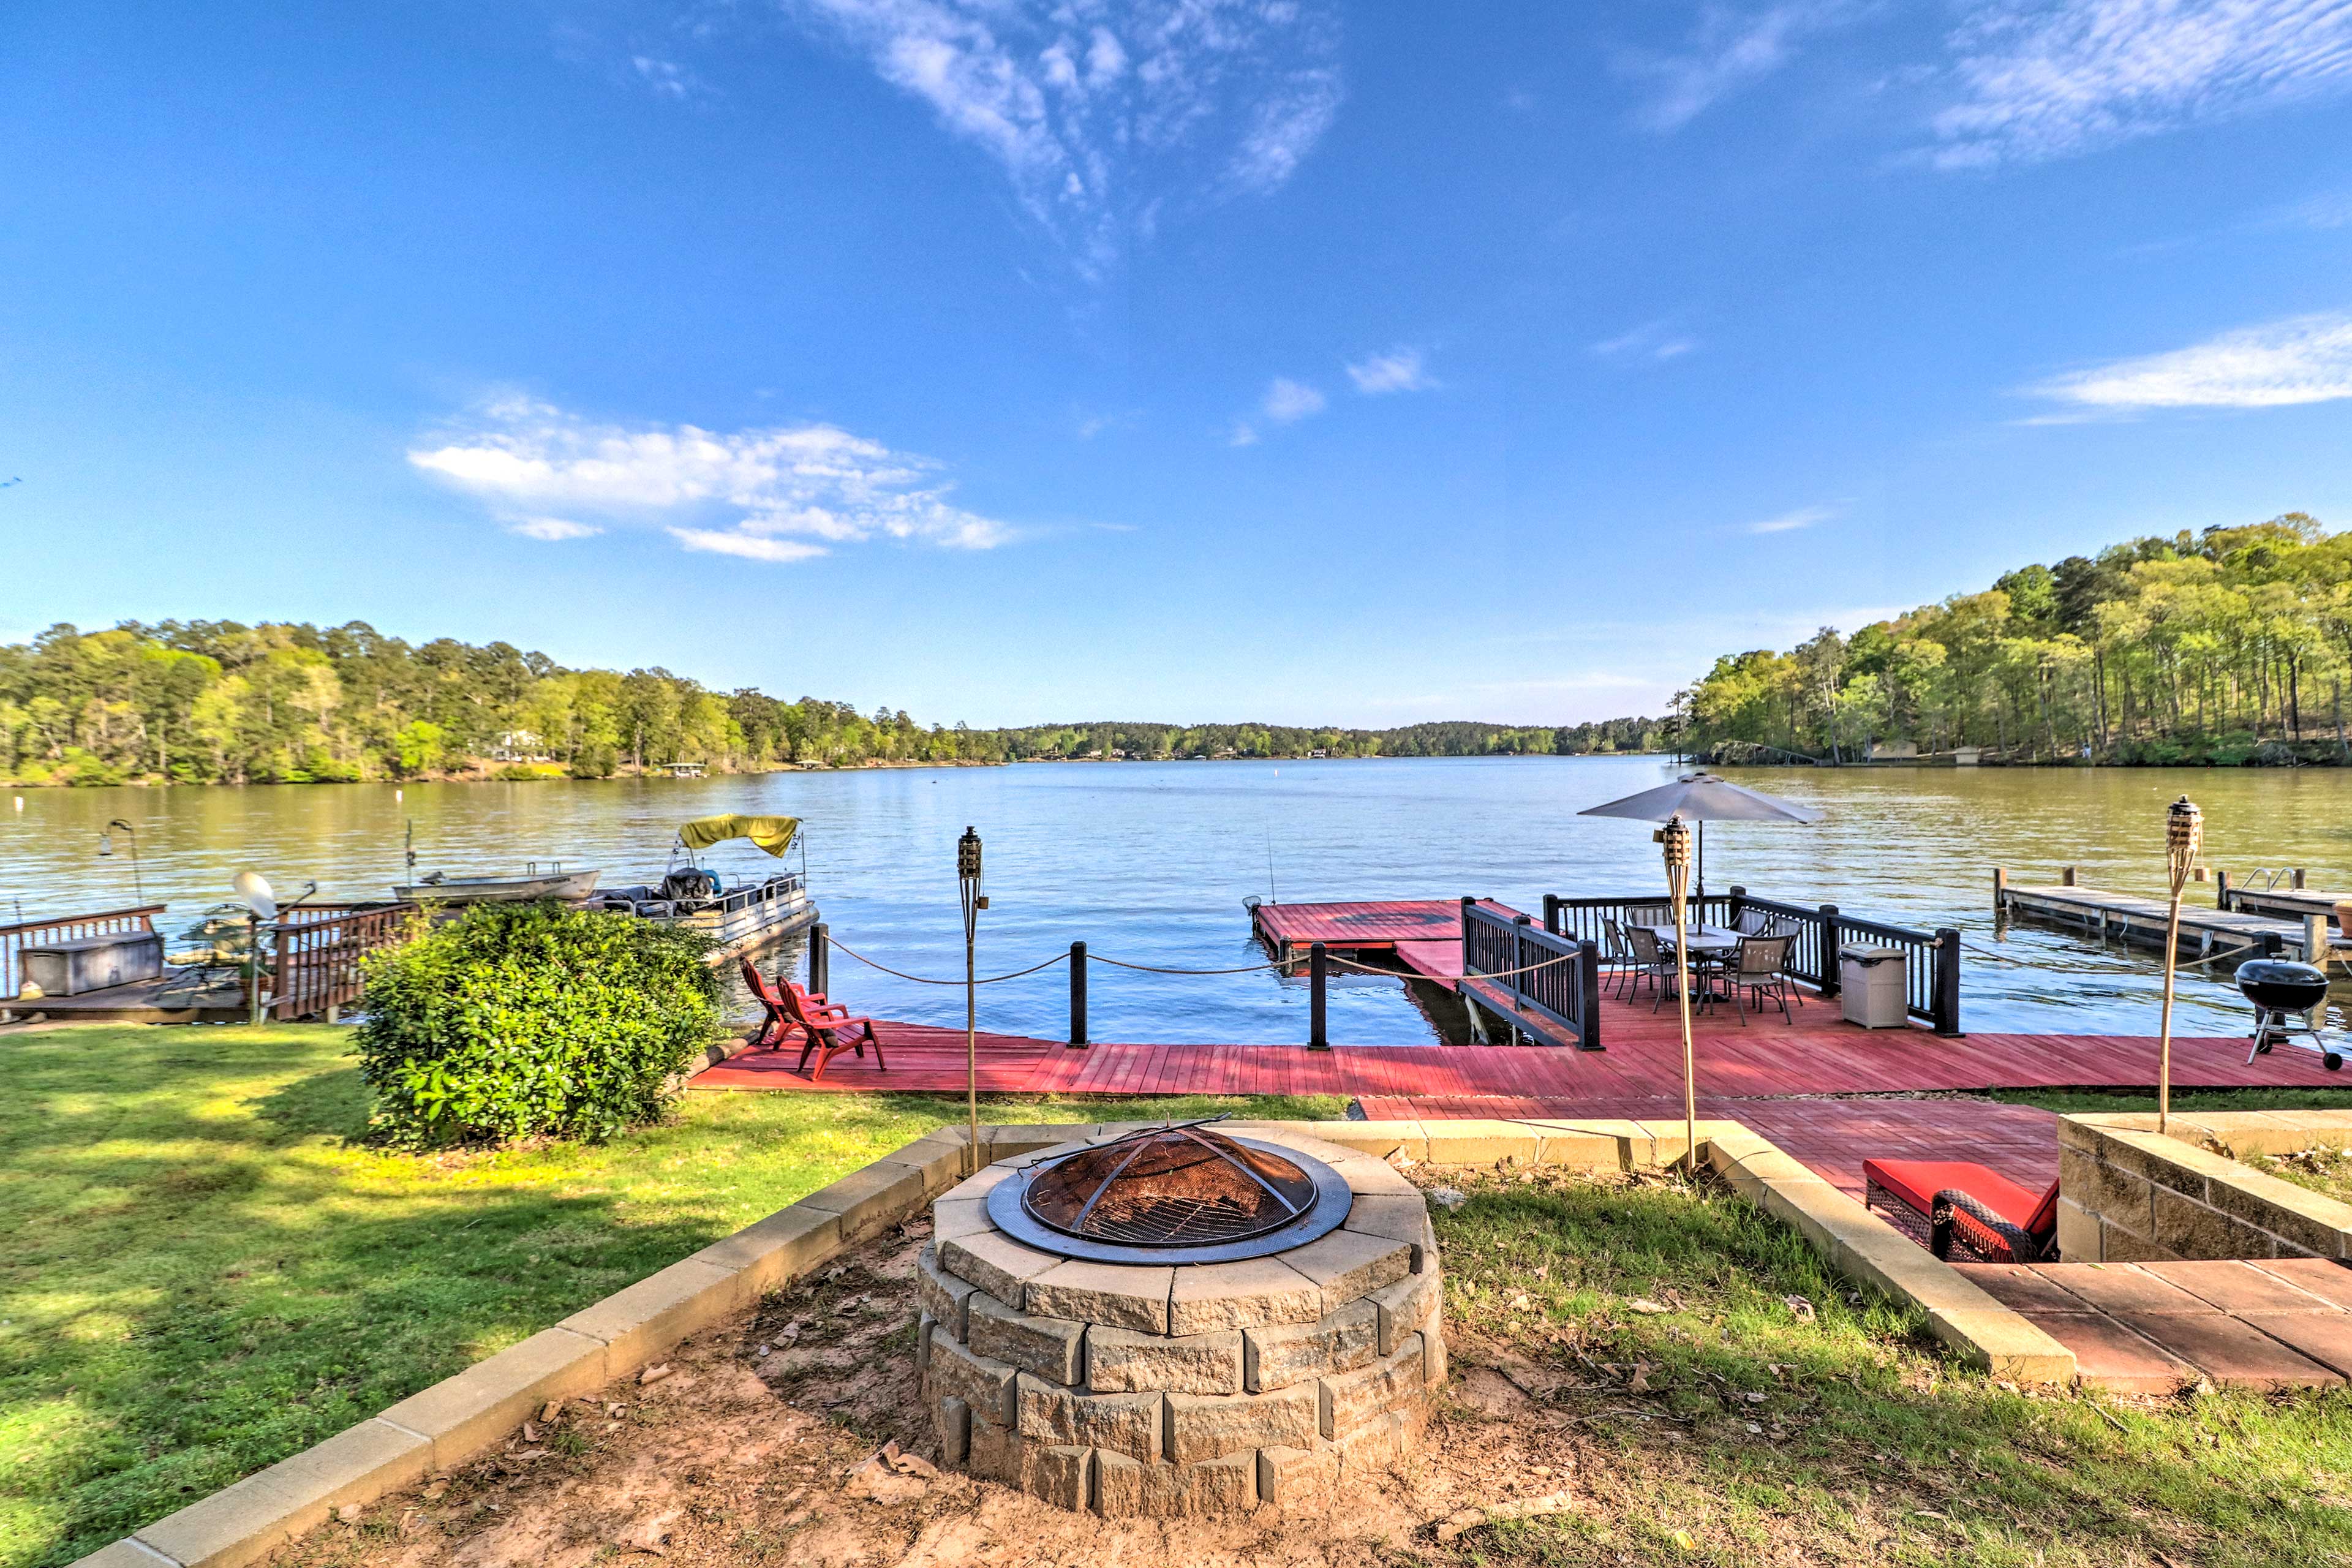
1283	1330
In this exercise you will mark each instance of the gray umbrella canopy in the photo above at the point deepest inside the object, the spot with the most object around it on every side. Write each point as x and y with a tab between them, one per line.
1703	798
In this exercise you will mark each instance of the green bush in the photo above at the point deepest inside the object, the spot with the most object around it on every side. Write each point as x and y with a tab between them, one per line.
524	1020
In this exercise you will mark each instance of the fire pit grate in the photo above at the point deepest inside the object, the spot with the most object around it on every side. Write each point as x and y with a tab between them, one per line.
1177	1194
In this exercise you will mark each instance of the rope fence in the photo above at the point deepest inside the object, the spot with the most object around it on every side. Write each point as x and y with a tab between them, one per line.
1163	968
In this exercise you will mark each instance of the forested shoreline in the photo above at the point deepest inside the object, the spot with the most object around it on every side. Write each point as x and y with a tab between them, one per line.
2232	646
219	702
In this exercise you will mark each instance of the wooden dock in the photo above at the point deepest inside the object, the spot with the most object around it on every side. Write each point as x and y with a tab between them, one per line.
2205	933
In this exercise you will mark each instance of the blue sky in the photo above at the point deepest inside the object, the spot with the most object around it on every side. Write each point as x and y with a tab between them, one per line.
1187	359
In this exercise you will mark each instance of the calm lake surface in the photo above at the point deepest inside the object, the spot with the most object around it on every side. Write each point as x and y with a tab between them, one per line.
1150	862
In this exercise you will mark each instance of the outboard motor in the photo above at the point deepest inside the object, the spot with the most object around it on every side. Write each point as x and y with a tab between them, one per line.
691	882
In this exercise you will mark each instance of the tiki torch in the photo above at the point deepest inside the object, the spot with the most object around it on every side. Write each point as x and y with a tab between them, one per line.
1675	839
974	900
2184	835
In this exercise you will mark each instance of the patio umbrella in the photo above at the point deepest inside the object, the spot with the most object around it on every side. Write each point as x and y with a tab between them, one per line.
1702	798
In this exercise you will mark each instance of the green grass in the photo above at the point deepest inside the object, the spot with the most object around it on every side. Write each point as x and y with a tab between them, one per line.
2078	1103
203	1272
1871	1447
2324	1168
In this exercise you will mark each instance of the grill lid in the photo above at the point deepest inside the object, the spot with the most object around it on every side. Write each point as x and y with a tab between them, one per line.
2276	983
1179	1186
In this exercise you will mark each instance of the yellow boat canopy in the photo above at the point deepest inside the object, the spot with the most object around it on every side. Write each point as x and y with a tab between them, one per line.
773	833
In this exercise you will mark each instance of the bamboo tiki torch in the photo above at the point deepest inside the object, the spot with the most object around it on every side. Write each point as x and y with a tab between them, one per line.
1675	839
2184	835
968	881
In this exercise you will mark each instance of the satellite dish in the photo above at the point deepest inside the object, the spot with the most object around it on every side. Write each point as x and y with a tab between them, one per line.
253	890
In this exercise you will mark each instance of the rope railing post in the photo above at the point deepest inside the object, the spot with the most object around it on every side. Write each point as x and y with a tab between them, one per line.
1947	981
1829	950
1078	995
820	960
1466	903
1318	970
1588	968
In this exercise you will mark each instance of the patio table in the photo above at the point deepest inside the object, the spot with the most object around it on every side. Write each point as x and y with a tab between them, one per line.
1709	946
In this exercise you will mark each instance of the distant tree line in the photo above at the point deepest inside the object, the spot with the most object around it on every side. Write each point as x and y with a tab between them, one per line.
2229	646
219	702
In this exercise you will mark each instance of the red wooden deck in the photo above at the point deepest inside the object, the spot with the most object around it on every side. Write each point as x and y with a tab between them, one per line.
1829	1094
1816	1055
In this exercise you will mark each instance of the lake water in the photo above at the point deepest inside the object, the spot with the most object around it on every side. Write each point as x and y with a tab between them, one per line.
1150	862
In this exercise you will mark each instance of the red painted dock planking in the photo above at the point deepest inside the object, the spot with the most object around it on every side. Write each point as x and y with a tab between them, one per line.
1827	1093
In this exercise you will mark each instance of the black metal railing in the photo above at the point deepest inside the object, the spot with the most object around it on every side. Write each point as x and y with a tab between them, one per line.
1931	960
1552	976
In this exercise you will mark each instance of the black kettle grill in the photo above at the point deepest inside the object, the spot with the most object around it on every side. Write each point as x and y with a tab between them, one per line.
2281	992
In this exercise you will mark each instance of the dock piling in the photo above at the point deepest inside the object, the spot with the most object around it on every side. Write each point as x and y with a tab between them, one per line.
1078	996
1551	913
820	960
1947	981
2067	877
1317	970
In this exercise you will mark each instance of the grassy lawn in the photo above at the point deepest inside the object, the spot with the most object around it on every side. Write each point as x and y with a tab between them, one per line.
2078	1103
1711	1425
202	1273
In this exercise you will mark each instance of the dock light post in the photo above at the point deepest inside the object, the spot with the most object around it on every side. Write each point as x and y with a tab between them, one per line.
1675	842
106	847
974	900
2184	835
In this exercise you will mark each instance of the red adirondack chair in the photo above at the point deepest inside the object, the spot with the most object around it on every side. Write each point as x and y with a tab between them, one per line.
829	1029
779	1025
1966	1207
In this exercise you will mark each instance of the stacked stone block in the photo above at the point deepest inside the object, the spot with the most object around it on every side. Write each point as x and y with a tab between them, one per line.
1149	1390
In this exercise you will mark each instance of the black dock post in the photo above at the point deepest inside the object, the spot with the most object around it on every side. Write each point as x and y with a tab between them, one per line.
1317	970
1947	981
1588	969
1829	950
1078	995
1551	913
820	961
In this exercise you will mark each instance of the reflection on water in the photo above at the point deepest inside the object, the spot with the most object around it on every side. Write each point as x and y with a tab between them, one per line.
1150	862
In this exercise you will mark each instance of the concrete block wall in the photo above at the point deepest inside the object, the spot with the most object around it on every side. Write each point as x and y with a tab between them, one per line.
2128	1194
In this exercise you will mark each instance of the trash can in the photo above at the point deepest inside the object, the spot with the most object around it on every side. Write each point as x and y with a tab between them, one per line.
1870	984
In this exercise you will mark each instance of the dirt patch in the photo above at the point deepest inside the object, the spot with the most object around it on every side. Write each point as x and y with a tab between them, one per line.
754	1446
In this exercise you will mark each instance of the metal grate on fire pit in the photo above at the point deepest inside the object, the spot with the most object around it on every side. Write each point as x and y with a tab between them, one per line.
1173	1195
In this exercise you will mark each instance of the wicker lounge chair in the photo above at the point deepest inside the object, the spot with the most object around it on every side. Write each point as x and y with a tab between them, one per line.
1958	1209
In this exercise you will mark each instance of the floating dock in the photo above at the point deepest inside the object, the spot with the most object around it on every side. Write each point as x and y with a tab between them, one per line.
2205	933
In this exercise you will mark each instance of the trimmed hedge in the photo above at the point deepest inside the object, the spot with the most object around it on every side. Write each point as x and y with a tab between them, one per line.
532	1020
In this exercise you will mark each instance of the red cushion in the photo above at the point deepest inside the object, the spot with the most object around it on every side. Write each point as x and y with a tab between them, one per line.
1916	1183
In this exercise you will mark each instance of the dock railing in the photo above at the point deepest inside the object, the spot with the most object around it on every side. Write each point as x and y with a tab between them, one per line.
1931	959
15	939
1553	976
316	952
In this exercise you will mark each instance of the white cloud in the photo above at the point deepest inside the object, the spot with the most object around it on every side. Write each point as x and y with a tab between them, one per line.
1727	52
1245	435
1657	341
779	494
2040	80
1398	372
1287	401
553	528
1096	113
667	79
1789	521
751	547
2304	359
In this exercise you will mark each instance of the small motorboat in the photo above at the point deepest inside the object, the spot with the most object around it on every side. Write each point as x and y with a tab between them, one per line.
741	914
533	883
